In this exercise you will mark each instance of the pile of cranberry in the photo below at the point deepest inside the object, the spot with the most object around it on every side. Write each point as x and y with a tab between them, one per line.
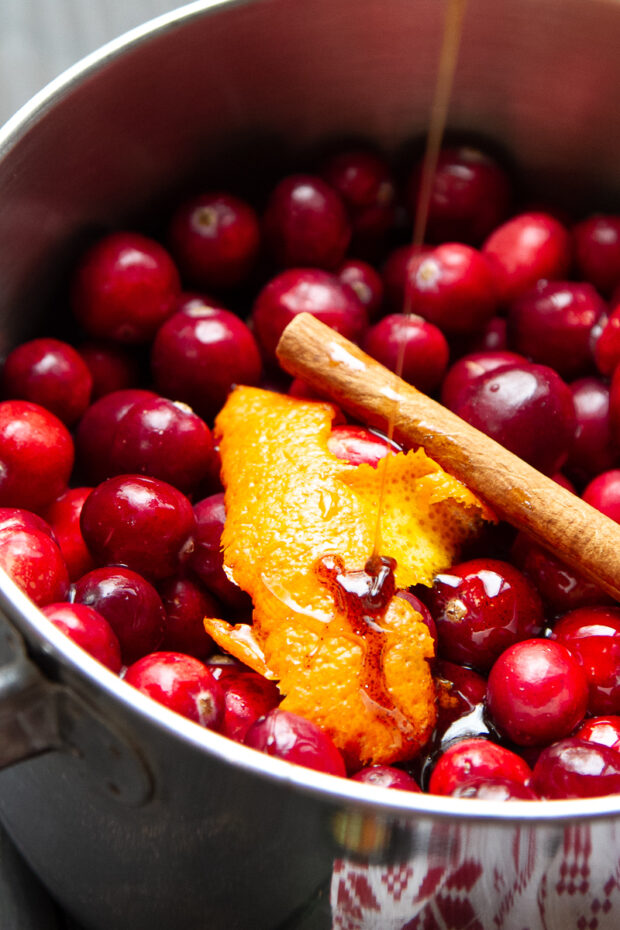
111	510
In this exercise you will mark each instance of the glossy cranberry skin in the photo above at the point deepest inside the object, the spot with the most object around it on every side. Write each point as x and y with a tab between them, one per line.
470	195
364	182
206	559
187	603
129	603
463	691
247	697
606	339
452	286
494	789
164	439
288	736
214	238
200	353
139	522
64	518
34	562
112	367
358	445
575	768
480	608
593	450
559	585
526	408
124	288
365	283
603	730
603	492
97	427
36	455
20	519
305	290
597	251
394	275
469	367
89	630
385	776
421	345
50	373
478	758
180	683
592	635
306	224
552	324
537	692
492	337
525	249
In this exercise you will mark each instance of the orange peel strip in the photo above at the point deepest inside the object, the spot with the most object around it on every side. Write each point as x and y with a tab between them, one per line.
289	502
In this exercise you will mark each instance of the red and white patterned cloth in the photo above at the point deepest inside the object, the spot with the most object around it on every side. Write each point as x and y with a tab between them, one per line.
468	878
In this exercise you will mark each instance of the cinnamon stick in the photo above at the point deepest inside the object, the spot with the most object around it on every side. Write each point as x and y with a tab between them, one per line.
554	517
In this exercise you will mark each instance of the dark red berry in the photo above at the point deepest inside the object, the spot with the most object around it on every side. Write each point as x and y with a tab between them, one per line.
187	603
97	427
478	758
592	635
606	342
411	345
34	562
306	224
247	697
575	768
593	450
597	251
603	492
365	283
364	181
124	288
460	375
603	730
494	789
215	238
385	776
89	630
206	558
113	367
181	683
129	603
288	736
358	445
64	518
50	373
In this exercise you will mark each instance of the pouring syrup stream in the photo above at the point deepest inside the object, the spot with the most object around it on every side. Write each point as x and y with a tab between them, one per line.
451	41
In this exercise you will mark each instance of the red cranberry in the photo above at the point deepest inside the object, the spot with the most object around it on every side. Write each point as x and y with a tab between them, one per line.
164	439
305	290
124	288
385	776
181	683
200	353
288	736
462	692
363	180
603	492
112	367
214	238
592	634
247	697
36	455
19	519
527	408
575	768
525	249
306	224
129	603
98	425
477	757
420	345
494	789
606	338
537	692
468	368
50	373
394	274
561	587
470	195
593	450
597	251
89	630
187	603
64	518
207	560
603	730
481	607
365	283
358	445
302	390
552	324
492	337
142	523
564	482
452	286
34	562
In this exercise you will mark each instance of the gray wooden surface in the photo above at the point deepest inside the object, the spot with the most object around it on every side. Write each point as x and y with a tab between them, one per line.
40	38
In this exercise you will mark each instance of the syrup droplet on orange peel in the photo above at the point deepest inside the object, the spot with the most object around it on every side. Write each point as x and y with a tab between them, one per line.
299	521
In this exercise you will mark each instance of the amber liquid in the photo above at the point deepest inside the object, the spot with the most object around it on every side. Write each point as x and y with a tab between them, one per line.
451	42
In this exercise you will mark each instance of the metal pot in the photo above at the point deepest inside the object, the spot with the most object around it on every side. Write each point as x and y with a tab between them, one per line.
131	816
